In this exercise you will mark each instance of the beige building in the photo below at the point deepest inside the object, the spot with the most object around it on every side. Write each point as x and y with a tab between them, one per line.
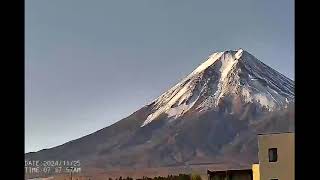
276	161
255	172
276	156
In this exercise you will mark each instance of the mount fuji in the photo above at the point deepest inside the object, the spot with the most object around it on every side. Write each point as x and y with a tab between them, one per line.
212	116
234	76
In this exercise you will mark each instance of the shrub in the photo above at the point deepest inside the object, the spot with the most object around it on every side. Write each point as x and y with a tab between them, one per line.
195	177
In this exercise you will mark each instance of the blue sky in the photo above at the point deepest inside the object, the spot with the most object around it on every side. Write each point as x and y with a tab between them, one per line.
92	63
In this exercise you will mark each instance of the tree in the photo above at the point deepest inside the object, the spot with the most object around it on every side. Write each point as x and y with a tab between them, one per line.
195	177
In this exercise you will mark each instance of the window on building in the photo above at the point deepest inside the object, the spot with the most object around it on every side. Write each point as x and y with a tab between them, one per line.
273	155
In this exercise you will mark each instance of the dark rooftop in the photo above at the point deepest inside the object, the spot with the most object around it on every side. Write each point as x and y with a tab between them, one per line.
269	133
229	171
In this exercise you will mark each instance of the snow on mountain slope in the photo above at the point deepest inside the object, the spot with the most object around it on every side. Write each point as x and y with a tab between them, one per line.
236	74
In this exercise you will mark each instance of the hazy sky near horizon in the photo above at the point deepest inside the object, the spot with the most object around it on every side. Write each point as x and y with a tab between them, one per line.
91	63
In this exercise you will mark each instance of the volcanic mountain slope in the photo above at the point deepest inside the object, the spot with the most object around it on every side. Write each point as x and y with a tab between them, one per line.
212	115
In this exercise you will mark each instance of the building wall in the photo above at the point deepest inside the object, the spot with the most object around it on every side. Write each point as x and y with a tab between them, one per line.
255	172
283	169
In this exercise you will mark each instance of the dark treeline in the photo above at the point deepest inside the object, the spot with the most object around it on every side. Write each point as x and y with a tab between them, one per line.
169	177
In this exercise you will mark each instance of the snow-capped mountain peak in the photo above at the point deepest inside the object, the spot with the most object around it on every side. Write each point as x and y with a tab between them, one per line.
214	57
235	74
